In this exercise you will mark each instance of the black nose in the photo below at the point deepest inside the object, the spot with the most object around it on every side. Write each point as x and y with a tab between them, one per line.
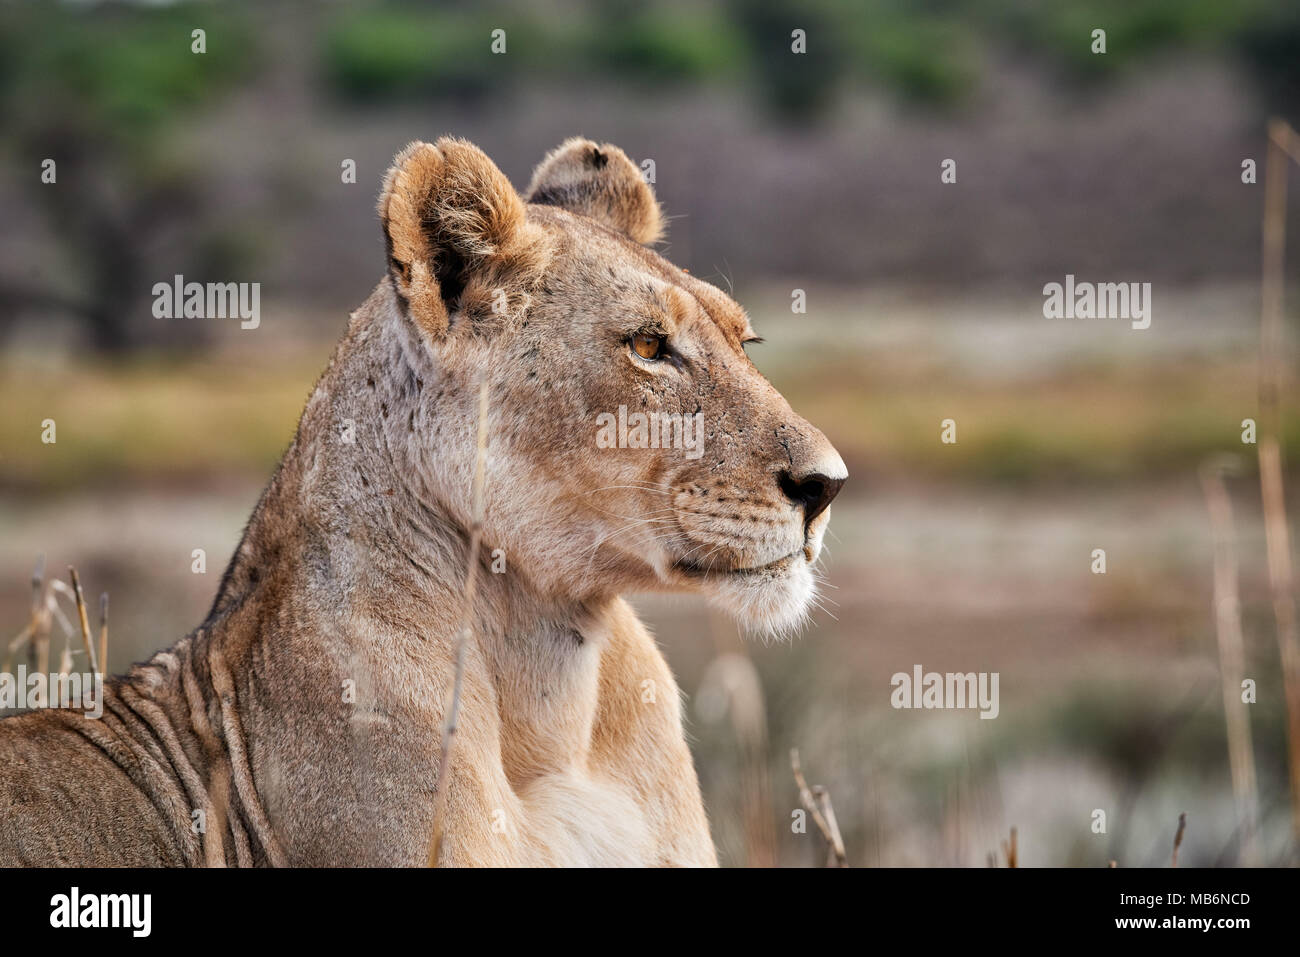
812	493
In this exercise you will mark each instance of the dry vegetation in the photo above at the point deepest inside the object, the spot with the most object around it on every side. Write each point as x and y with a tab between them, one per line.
34	639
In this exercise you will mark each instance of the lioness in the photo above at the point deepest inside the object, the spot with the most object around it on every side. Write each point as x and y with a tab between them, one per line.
300	723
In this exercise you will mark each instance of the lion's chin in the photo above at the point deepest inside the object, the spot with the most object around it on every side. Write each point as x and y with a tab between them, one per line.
772	603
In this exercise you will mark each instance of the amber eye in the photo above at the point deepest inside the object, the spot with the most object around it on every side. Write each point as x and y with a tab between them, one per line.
647	346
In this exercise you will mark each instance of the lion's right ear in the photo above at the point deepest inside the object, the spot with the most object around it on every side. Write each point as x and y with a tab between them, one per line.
600	182
449	215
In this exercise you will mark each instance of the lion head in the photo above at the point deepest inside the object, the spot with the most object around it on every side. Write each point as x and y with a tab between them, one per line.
634	445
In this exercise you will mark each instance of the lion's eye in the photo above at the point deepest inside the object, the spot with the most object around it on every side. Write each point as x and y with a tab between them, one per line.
647	346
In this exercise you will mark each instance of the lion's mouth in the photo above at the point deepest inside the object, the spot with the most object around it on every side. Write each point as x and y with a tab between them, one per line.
695	570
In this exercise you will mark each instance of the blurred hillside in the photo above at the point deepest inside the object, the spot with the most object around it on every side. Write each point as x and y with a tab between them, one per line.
227	164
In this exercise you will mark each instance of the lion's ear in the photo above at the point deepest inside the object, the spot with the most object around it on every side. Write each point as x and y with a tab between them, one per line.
599	182
447	213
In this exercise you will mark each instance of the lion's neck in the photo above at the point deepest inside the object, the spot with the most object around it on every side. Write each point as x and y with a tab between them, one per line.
349	542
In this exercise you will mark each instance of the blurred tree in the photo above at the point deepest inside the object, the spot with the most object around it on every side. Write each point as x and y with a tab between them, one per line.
385	51
796	86
1270	48
100	92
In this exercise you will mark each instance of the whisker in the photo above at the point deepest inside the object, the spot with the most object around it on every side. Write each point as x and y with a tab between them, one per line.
642	487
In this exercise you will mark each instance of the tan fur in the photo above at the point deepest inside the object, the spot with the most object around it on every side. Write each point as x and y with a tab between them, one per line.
303	717
600	182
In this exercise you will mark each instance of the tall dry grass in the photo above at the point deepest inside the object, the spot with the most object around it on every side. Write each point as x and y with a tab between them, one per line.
35	637
1283	145
1232	656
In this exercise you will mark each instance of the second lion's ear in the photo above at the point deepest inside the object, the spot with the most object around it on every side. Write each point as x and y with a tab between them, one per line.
449	215
598	181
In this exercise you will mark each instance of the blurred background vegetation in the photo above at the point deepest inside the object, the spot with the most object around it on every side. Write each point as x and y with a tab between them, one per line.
817	172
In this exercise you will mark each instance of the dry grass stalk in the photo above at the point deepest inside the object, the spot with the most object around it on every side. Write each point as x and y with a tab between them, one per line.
1010	851
45	611
41	612
59	587
83	619
1282	140
34	619
1178	838
38	576
817	802
835	856
1232	660
103	632
443	780
16	643
1287	139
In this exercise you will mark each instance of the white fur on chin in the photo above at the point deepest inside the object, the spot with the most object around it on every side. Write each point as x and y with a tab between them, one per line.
773	605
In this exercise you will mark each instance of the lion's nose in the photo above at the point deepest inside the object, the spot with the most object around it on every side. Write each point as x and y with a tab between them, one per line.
813	492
